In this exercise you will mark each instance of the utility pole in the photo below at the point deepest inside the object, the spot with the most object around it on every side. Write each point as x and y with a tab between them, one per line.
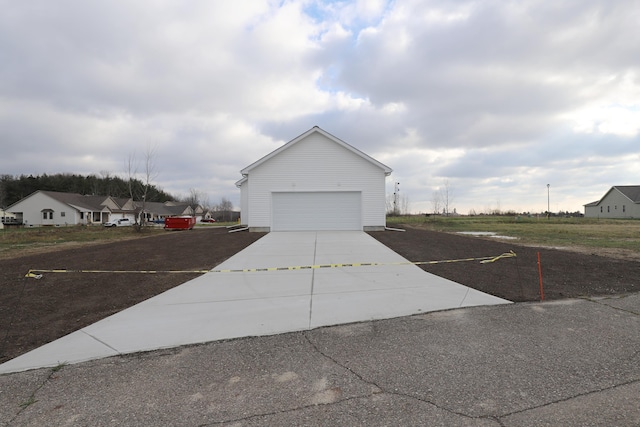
396	190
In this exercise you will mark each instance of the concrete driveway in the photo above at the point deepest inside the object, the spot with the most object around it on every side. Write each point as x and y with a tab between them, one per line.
222	305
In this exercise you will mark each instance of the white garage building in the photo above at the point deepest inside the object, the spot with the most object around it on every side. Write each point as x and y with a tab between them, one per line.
314	182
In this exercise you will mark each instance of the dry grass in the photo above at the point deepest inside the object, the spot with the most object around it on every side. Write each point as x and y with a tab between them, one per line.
610	236
21	241
16	242
613	237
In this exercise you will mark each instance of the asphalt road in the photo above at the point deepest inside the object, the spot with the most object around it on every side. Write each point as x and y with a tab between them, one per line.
562	363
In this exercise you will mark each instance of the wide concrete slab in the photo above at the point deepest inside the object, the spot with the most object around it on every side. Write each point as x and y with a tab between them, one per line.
221	305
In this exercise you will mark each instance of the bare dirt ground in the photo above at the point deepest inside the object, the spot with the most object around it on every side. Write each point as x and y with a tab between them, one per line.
34	312
566	273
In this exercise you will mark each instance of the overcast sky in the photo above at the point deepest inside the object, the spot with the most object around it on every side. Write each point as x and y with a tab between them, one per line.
496	98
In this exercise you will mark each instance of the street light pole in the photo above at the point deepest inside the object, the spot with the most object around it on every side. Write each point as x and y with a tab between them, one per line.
548	204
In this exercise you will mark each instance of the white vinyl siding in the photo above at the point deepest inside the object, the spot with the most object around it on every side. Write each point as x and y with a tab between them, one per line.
32	209
302	211
244	203
316	164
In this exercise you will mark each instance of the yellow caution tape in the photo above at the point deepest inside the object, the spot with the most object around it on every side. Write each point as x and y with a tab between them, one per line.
483	260
32	273
509	254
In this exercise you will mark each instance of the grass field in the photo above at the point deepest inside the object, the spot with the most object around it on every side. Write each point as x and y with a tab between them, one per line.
560	232
23	240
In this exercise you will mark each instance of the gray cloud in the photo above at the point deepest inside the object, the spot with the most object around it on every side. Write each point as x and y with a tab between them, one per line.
500	98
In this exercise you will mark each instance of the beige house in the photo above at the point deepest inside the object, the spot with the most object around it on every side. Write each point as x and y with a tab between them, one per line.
621	201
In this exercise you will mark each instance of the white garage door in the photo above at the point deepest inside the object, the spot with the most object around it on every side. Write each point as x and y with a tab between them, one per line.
316	211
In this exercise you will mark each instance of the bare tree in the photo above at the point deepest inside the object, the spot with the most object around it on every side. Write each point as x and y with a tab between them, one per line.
446	196
436	202
224	208
131	171
405	206
193	200
397	204
389	204
149	174
205	203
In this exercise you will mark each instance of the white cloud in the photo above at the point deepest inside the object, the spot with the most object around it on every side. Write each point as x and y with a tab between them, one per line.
500	98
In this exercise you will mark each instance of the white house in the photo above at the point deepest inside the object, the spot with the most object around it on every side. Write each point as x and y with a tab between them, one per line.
59	209
314	182
621	201
43	208
7	217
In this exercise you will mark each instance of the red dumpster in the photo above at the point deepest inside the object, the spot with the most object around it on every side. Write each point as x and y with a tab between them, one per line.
179	222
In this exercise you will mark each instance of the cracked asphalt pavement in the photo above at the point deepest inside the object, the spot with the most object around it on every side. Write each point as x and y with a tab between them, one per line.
570	363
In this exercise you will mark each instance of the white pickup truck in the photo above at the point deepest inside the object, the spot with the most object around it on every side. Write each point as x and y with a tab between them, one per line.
119	222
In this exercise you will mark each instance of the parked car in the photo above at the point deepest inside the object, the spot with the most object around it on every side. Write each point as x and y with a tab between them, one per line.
207	220
119	222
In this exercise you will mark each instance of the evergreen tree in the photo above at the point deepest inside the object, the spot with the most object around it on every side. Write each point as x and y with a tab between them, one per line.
13	189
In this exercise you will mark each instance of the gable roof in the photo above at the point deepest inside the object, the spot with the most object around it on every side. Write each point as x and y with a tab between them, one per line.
632	192
102	203
387	170
78	201
163	209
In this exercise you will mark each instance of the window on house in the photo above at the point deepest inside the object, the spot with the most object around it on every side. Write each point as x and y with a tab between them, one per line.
62	214
615	208
608	208
600	209
624	208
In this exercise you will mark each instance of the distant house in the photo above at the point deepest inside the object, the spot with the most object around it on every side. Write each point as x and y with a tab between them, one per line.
621	201
43	208
158	211
6	217
52	208
314	182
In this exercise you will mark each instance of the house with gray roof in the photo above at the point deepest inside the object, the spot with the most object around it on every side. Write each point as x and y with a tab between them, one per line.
621	201
53	208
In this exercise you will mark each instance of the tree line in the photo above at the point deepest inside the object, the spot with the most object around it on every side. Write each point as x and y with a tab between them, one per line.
15	188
